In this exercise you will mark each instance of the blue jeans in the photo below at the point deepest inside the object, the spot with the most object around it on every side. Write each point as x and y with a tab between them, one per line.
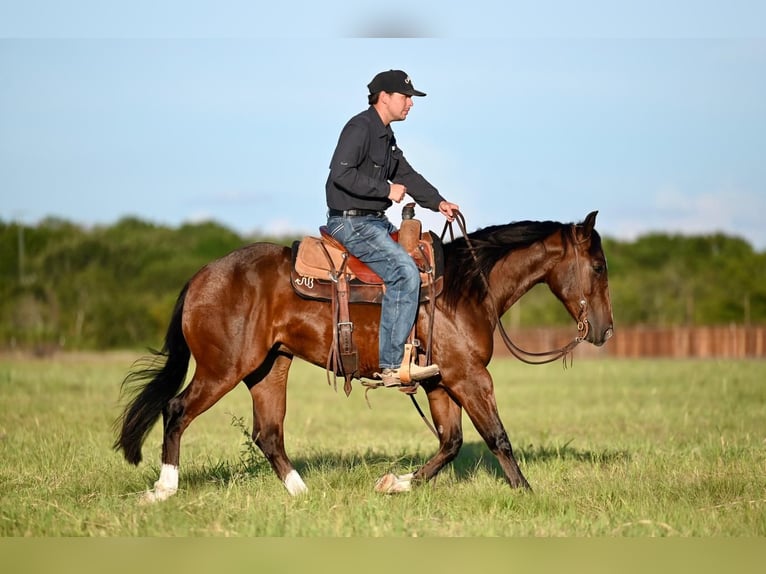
367	237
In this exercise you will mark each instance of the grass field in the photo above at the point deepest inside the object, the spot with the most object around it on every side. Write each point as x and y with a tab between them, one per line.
612	448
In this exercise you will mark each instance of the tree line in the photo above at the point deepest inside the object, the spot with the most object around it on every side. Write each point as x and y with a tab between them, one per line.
63	285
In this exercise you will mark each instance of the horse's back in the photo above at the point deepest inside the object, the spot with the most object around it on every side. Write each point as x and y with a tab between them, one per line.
254	254
243	268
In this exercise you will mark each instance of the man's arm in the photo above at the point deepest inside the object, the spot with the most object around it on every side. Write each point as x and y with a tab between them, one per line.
417	186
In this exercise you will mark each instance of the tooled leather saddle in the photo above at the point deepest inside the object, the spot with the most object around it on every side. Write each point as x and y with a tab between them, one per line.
324	270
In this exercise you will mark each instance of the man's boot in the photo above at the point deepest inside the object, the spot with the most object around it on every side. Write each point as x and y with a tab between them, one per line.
393	377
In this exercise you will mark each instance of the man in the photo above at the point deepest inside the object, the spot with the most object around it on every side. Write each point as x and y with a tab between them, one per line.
367	173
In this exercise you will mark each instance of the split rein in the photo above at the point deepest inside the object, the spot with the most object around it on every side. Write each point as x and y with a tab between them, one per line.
537	358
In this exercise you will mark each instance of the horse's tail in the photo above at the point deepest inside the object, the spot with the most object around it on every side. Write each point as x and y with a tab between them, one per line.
155	385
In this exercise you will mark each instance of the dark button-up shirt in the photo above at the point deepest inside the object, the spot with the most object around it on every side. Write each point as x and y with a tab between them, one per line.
366	159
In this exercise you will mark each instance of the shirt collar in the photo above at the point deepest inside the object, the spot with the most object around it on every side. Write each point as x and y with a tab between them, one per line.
378	129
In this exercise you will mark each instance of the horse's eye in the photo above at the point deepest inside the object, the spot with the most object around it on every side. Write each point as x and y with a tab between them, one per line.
599	268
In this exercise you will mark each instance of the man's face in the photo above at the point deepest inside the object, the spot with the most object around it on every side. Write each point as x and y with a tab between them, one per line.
397	105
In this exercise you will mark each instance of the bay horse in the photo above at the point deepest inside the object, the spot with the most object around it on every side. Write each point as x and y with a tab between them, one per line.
241	320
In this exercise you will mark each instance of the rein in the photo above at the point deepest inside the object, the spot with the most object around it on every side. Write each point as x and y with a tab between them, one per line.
538	358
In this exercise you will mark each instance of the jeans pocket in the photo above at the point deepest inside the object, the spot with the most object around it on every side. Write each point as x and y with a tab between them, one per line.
335	227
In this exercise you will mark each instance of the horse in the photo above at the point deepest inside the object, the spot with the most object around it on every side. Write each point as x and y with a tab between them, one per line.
241	320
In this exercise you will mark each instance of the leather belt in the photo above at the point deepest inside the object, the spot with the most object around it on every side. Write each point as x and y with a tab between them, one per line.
355	213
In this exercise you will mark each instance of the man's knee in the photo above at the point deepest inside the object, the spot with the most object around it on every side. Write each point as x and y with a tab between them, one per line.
410	274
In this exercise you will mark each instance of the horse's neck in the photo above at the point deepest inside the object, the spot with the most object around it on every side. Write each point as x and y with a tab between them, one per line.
521	270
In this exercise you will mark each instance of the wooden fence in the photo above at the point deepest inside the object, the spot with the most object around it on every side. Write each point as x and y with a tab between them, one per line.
734	341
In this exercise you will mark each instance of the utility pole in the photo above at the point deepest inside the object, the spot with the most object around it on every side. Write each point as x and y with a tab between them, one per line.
21	253
20	235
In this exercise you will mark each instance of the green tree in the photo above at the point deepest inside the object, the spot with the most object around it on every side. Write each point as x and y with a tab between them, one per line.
114	286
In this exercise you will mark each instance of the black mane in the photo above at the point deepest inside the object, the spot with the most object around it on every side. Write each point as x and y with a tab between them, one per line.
463	275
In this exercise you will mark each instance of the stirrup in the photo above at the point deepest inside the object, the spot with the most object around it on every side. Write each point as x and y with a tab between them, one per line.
407	388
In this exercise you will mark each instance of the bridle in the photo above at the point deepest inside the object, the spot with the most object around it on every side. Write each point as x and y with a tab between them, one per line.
537	358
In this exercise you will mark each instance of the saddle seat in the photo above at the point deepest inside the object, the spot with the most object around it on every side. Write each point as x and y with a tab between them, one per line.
318	260
356	266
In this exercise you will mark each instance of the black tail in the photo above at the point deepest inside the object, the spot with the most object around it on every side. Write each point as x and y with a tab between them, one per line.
155	384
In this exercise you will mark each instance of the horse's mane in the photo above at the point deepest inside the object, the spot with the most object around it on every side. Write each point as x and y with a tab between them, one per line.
463	274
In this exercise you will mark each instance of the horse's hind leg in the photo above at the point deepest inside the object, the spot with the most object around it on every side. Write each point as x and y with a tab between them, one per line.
269	408
202	393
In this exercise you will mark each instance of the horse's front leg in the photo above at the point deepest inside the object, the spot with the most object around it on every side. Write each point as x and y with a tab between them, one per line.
446	417
477	397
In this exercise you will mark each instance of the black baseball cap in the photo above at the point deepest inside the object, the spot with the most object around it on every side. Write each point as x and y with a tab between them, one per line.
393	81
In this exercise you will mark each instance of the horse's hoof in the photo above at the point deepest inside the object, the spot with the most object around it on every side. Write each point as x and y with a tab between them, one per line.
156	495
294	484
393	484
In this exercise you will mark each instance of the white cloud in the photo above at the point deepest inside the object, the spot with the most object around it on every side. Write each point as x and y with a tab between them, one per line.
237	197
728	209
199	216
282	227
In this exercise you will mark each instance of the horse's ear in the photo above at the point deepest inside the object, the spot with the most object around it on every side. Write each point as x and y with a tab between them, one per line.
589	224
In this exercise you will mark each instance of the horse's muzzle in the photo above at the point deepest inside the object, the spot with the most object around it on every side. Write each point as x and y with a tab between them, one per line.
603	337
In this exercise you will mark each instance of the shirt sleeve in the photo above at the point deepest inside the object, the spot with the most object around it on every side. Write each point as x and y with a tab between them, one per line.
353	146
425	194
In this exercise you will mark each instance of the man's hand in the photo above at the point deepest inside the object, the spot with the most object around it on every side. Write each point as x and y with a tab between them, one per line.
396	192
448	210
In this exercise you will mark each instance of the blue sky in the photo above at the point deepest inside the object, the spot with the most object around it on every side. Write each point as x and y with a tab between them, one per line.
183	113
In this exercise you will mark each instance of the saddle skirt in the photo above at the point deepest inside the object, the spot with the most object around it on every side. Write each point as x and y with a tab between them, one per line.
318	260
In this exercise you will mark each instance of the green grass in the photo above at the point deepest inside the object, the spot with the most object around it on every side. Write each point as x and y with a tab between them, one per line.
611	448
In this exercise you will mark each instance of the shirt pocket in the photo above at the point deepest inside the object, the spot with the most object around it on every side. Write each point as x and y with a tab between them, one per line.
377	164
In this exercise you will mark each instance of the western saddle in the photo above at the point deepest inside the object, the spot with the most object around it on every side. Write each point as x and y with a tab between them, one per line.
324	270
